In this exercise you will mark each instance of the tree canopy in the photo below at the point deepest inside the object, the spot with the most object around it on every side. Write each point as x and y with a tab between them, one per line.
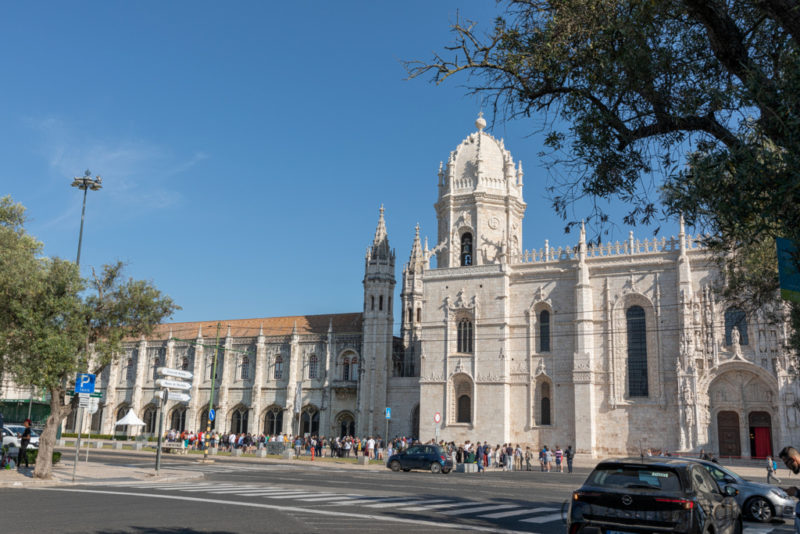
54	324
671	106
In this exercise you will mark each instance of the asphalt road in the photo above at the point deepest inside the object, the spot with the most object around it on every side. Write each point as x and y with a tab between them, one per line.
236	496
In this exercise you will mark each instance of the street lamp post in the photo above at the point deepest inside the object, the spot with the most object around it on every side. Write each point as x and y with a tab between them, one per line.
85	183
211	397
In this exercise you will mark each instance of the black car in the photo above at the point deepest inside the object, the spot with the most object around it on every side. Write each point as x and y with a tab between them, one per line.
428	457
631	495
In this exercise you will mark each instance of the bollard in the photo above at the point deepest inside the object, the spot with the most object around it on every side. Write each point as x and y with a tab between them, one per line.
236	452
261	453
118	445
312	454
99	444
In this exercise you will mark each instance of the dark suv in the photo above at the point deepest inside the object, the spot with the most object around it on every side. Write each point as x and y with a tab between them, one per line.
429	457
653	495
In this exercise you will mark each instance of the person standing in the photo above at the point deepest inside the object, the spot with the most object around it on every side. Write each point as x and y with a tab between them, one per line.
569	454
24	441
559	457
772	467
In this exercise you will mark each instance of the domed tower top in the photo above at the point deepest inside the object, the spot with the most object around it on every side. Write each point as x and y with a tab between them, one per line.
480	206
480	163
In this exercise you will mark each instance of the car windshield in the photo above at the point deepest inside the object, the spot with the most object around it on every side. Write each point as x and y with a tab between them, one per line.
631	476
718	473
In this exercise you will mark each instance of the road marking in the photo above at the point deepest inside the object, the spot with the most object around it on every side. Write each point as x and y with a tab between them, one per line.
394	503
509	513
542	519
468	510
294	509
425	507
293	495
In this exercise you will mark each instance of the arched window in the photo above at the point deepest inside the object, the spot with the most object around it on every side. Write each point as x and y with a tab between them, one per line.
185	364
150	418
312	366
156	363
204	420
419	315
380	303
273	421
544	404
544	331
354	368
372	301
278	367
637	352
410	315
97	421
345	368
177	420
464	343
734	317
464	409
239	420
245	368
347	425
466	249
130	370
309	421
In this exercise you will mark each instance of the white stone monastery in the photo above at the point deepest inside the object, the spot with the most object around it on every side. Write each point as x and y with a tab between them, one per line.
610	349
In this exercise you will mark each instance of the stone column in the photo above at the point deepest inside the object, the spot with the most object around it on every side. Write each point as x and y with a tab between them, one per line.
258	379
139	380
583	358
110	398
225	376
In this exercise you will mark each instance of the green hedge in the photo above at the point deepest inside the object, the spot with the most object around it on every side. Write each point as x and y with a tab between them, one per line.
104	436
33	453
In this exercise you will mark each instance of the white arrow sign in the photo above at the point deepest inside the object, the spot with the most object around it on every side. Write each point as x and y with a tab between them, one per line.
175	396
172	384
177	373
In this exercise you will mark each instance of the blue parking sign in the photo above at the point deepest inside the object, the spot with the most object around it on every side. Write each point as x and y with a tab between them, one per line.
388	413
84	383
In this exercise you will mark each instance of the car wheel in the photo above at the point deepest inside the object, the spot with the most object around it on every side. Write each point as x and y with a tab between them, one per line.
395	466
445	471
759	509
436	468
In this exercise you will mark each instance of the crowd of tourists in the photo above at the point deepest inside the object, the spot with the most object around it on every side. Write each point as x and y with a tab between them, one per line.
507	457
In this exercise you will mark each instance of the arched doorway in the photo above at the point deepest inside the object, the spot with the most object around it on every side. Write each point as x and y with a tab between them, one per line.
760	434
239	420
346	424
728	434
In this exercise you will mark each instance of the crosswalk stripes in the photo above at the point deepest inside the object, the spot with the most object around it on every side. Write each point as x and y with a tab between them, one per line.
445	506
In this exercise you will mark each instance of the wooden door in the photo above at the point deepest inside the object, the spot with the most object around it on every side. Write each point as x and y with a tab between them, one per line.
728	434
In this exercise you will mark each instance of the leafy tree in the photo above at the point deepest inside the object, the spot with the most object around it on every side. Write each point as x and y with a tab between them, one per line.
50	329
672	106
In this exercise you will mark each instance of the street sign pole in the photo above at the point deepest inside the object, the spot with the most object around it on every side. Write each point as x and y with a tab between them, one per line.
161	404
211	397
77	442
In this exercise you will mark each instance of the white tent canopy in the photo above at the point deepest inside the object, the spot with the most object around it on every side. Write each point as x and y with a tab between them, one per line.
130	419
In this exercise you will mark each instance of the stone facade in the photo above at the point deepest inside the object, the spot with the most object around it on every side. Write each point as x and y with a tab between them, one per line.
610	348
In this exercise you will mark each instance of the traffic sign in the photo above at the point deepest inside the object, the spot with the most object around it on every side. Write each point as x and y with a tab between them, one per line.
437	418
82	396
175	396
212	414
388	413
94	405
84	402
177	373
84	383
172	384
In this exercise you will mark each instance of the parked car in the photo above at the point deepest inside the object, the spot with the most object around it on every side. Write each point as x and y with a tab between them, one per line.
760	502
631	495
429	457
12	433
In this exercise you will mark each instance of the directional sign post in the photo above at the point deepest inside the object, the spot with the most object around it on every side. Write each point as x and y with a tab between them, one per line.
167	384
388	416
84	386
212	414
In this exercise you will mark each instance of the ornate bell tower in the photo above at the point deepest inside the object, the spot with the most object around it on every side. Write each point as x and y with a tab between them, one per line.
376	352
480	206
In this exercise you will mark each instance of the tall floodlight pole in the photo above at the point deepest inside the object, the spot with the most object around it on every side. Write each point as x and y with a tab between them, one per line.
211	397
85	183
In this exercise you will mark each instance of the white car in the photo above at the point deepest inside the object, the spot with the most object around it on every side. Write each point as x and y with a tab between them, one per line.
12	433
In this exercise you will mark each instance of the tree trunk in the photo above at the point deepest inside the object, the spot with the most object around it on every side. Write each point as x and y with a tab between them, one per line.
47	440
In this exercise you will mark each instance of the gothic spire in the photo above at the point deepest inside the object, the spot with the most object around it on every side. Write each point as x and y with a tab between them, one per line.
417	257
380	245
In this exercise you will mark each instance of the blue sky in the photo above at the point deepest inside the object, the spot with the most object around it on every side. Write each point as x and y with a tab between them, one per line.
245	148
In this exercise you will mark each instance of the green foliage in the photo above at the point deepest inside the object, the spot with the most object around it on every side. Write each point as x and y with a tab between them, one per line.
34	453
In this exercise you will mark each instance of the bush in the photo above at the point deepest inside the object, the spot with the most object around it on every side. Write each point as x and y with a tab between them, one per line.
33	453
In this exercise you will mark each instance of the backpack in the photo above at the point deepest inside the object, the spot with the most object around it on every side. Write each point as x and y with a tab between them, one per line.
774	465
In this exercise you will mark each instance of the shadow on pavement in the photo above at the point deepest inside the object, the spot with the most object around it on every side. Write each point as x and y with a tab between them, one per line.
162	530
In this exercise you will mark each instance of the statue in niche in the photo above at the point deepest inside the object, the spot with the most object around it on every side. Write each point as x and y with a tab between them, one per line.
736	345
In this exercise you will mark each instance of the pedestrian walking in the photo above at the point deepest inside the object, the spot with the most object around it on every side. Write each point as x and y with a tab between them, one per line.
772	467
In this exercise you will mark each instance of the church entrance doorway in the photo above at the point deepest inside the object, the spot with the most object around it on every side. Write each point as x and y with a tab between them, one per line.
760	434
728	433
